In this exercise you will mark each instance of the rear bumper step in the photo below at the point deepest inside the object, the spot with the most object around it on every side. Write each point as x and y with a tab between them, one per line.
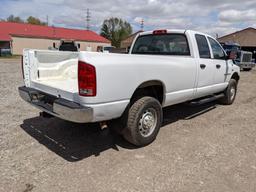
55	106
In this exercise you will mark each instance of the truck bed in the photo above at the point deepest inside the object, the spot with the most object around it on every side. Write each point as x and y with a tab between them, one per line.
52	72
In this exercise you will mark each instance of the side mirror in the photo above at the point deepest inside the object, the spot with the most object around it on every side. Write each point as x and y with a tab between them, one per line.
231	55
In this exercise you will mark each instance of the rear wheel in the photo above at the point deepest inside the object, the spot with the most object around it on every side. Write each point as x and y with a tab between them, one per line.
143	121
230	93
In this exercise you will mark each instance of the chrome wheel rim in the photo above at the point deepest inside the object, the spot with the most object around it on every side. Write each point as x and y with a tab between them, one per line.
232	93
148	121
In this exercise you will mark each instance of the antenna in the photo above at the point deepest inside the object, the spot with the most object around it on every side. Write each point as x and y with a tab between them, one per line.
142	25
88	19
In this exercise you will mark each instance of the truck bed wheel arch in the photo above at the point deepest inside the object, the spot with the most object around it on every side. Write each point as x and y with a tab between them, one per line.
154	88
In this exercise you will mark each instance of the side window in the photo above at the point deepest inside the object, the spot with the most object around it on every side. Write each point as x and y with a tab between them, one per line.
203	46
218	53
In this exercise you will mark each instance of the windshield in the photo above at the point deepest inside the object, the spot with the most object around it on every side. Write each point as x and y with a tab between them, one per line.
108	48
162	44
231	47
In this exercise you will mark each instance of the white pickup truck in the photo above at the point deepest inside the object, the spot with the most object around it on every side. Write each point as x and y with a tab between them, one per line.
163	68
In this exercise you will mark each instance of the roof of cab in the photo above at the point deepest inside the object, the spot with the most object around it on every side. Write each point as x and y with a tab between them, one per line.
168	31
181	31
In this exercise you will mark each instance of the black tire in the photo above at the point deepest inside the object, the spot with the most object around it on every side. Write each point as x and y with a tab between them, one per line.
143	121
230	96
247	69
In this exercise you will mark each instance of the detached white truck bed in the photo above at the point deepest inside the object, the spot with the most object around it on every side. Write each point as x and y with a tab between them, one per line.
163	67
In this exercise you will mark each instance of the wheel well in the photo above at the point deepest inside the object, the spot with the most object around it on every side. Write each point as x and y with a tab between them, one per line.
151	88
235	76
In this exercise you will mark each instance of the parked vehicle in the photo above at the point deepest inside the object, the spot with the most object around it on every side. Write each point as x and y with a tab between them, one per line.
66	45
105	49
243	58
5	52
128	91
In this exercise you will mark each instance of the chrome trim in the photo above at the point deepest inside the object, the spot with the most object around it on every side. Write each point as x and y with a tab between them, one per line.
61	108
148	122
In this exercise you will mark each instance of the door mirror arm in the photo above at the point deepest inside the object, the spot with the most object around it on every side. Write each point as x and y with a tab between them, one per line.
231	55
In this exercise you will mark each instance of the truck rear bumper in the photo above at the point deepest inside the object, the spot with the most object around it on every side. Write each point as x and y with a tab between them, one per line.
55	106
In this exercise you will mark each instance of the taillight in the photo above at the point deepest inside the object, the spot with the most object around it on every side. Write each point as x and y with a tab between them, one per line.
86	79
159	32
22	68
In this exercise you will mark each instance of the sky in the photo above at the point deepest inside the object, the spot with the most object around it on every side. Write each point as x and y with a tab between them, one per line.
210	16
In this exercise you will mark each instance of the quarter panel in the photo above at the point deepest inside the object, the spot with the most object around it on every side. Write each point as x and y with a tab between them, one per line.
118	75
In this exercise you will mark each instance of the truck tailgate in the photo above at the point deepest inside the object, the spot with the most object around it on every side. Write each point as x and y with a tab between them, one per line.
52	72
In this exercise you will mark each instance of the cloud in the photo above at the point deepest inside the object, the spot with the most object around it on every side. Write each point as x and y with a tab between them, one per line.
205	15
233	16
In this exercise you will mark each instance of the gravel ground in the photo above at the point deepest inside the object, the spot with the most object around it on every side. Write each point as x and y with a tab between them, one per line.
204	148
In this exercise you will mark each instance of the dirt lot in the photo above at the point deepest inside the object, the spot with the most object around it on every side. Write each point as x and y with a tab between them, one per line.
206	148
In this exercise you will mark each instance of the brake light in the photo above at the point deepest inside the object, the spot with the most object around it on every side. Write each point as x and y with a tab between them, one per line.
86	79
22	68
159	32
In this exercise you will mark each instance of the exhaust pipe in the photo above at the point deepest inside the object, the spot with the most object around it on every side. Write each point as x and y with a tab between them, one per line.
103	125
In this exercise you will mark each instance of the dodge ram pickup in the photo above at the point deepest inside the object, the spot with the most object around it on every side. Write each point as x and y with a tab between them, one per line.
128	91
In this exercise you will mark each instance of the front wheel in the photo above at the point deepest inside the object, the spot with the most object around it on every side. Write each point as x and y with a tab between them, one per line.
230	93
144	121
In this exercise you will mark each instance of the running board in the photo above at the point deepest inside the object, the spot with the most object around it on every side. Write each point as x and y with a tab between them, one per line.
207	100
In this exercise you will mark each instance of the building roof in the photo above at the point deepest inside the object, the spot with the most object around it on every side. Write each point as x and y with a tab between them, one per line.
128	41
245	37
4	36
132	36
8	29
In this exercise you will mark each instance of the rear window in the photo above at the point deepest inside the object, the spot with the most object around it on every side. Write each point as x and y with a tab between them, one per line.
164	44
68	47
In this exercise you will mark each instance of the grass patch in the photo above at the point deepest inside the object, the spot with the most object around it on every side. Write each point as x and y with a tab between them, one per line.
10	57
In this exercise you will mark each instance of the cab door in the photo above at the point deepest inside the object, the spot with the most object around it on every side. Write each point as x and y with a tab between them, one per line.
206	69
220	66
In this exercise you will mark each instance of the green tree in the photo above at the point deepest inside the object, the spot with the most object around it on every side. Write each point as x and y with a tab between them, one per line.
35	21
12	18
115	30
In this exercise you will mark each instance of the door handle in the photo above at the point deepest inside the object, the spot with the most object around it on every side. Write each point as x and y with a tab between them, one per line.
202	66
218	66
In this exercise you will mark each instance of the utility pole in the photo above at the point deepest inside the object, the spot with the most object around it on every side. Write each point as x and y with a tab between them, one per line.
47	20
54	32
88	19
142	25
